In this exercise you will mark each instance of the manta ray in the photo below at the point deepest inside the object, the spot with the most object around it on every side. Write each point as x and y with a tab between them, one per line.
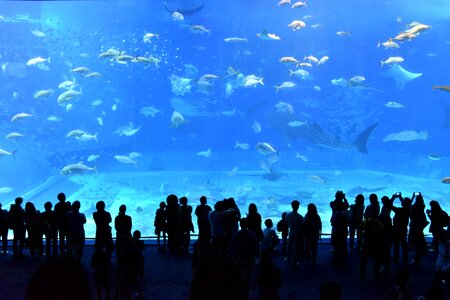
184	7
400	75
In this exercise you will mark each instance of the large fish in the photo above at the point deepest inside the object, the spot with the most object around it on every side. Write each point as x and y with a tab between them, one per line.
313	133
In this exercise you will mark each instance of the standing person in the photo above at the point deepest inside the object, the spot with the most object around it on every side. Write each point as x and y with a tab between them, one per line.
103	235
174	235
4	228
296	225
122	225
218	234
372	243
16	220
439	220
186	223
416	227
254	221
33	226
75	226
61	210
50	230
386	241
356	218
270	240
101	264
374	205
339	232
204	226
313	232
160	224
400	224
283	227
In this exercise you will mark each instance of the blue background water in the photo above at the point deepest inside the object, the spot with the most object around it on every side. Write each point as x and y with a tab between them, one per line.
90	28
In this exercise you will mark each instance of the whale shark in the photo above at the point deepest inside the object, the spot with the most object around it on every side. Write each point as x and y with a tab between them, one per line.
313	133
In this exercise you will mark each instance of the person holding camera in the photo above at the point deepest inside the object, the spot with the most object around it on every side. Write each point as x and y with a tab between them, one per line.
439	219
400	227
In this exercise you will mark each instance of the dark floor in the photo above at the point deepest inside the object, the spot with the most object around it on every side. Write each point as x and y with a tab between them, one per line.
168	276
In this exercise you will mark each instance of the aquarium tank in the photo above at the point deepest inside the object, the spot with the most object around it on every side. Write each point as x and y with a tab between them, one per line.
265	101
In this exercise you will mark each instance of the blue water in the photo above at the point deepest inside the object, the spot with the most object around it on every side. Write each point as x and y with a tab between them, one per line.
77	32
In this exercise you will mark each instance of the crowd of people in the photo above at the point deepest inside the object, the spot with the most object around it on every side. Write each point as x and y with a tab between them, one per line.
230	245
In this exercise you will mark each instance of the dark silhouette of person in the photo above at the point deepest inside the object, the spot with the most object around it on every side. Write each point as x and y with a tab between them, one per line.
313	232
374	205
254	221
339	197
122	224
270	240
438	221
330	290
416	226
269	278
4	228
33	225
174	233
386	241
160	224
16	219
245	250
50	230
231	220
61	210
103	235
204	226
218	278
400	224
339	232
218	233
356	218
400	290
75	226
296	238
58	278
185	212
282	226
101	264
373	232
130	268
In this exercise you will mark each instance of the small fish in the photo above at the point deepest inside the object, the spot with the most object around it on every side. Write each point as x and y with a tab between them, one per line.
235	40
92	75
445	88
323	60
177	17
148	37
434	157
392	104
206	153
67	95
256	127
20	116
289	60
13	135
298	4
54	119
100	121
265	148
317	88
446	180
243	146
317	178
284	2
199	29
66	85
302	157
96	102
233	172
296	25
392	60
296	123
125	159
42	93
37	60
37	33
284	107
114	107
93	157
268	36
86	137
69	107
303	74
80	70
389	44
5	190
76	133
344	33
285	85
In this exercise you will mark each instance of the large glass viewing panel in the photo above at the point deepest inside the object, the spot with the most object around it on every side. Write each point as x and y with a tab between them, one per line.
266	102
